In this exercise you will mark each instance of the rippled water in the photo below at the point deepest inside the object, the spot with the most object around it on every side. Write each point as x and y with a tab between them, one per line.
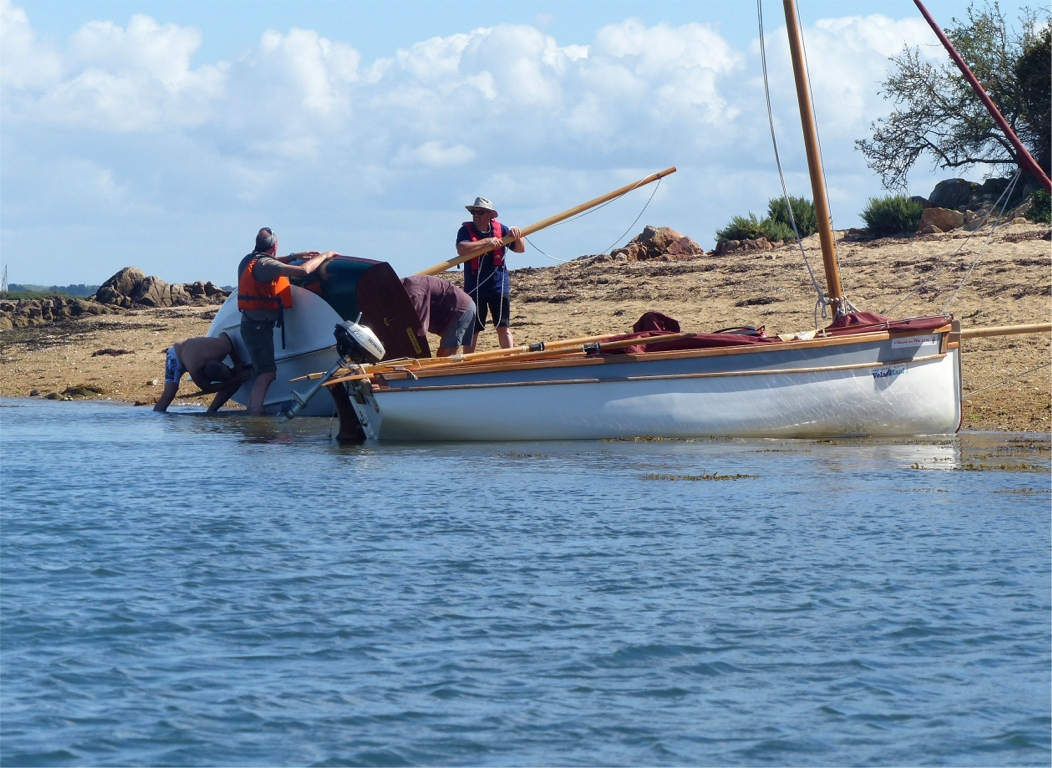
190	591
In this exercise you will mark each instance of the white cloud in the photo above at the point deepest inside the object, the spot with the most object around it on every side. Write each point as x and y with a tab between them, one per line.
298	128
434	155
847	61
24	63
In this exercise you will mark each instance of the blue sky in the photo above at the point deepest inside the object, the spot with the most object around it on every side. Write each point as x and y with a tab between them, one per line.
163	134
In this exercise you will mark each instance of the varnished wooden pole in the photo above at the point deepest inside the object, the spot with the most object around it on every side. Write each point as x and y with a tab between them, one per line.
449	263
814	161
1004	330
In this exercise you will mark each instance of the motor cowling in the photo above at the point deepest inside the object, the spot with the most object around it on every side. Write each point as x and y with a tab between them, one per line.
357	343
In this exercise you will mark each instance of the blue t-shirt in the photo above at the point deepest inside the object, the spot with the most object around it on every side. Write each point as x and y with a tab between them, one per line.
488	280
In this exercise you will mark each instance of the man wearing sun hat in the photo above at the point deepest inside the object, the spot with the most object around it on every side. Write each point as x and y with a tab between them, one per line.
486	275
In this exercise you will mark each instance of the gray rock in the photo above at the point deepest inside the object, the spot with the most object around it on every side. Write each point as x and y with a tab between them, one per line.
994	188
954	193
120	285
152	292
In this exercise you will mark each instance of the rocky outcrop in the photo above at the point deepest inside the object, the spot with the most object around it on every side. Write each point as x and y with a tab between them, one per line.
118	288
661	243
131	288
730	246
22	313
942	219
127	289
954	193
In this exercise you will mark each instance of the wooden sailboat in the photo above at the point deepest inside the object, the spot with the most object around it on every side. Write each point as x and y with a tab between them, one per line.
864	375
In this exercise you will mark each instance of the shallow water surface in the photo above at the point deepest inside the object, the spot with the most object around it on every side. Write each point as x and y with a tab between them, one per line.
183	590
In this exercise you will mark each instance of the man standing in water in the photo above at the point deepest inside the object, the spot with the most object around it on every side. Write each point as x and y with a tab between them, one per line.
263	295
486	275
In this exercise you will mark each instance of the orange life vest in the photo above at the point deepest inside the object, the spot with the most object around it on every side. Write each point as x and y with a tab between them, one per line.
252	294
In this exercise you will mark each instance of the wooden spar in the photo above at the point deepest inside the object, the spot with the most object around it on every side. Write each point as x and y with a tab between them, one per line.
546	354
1004	330
449	263
814	162
471	357
1026	160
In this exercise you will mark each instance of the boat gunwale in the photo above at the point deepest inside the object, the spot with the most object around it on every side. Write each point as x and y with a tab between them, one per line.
579	358
666	377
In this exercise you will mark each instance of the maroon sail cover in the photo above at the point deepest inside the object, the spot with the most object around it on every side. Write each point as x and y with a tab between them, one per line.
867	322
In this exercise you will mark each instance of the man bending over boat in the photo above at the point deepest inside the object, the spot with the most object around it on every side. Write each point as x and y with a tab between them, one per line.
202	357
486	275
263	295
443	309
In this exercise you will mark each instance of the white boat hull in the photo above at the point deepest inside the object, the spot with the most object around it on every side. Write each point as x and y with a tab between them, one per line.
853	388
309	347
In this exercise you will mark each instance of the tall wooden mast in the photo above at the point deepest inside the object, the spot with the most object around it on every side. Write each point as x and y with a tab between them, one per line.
814	162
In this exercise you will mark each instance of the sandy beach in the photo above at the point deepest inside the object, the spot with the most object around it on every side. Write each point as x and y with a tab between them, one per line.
1006	379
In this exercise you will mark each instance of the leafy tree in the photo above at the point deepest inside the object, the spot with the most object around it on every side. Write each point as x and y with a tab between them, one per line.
937	113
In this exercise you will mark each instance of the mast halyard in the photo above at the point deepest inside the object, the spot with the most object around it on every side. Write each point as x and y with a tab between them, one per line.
814	163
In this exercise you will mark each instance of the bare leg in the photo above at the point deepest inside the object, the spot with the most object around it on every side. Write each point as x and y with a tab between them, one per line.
469	348
259	392
446	351
504	337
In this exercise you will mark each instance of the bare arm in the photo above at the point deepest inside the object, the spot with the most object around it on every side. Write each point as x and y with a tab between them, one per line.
228	390
170	388
517	245
302	270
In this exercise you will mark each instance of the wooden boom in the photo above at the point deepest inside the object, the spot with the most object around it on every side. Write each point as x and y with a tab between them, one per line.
449	263
1004	330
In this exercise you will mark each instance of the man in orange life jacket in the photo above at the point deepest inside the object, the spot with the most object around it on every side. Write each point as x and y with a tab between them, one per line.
486	275
263	293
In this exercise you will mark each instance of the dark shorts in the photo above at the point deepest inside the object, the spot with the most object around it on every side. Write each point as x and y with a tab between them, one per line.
498	306
258	336
459	331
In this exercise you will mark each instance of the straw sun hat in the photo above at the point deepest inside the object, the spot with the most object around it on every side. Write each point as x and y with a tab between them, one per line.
481	204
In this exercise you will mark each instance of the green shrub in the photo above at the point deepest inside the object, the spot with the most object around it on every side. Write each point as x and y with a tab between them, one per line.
803	212
892	215
750	228
776	230
742	228
1041	210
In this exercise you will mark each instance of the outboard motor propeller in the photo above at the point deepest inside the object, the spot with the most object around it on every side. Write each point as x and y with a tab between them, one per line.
356	345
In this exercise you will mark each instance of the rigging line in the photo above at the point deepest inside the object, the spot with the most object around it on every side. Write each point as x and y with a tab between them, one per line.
945	263
823	300
1007	194
633	188
610	247
1013	378
553	258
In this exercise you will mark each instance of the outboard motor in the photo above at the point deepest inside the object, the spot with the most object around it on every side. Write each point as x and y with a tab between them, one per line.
356	345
